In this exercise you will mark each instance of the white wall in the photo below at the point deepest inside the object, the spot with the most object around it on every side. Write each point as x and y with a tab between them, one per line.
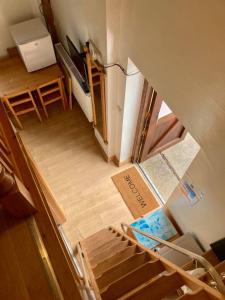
12	12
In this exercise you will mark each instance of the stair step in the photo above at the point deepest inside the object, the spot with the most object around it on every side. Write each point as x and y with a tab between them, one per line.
132	280
98	244
102	247
90	247
115	259
196	295
109	252
121	269
99	236
159	287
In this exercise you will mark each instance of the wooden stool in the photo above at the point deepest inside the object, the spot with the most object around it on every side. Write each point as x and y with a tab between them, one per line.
51	92
20	104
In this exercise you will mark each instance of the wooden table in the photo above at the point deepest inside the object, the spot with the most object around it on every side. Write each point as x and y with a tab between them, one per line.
15	78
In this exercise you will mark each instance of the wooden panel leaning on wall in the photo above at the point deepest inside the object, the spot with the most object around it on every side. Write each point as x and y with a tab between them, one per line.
18	162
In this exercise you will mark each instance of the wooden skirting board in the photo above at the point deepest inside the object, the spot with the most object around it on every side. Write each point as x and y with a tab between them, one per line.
119	163
106	157
113	158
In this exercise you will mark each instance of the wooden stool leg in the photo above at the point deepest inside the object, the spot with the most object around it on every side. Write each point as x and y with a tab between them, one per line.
13	113
38	114
42	103
63	94
18	121
35	107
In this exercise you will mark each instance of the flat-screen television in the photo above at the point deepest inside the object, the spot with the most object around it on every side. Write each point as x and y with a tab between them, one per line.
79	63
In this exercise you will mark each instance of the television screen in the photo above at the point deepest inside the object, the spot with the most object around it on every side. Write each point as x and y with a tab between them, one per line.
79	63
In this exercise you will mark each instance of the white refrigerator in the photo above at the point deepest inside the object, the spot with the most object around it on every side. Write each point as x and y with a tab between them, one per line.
34	44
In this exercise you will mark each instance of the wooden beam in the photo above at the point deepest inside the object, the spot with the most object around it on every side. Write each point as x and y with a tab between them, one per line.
49	19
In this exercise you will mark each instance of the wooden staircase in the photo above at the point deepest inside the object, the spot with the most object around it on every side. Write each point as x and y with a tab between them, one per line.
120	268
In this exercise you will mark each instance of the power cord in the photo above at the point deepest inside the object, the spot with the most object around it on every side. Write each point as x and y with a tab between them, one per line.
121	68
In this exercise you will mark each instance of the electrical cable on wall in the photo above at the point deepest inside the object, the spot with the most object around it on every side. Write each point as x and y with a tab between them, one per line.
121	67
97	56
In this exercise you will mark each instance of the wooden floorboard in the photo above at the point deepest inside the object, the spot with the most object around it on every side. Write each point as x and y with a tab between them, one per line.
65	149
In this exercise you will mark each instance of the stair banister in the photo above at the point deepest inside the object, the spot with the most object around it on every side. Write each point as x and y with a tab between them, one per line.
89	291
211	270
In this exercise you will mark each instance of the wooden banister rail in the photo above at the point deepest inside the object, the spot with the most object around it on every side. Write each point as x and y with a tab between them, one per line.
53	242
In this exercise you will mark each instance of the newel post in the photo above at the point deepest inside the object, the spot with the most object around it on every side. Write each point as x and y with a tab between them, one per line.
14	197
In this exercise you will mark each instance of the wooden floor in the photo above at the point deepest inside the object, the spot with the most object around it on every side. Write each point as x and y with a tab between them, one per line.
65	149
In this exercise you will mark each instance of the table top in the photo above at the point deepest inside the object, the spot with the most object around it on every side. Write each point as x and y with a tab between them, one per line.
15	78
